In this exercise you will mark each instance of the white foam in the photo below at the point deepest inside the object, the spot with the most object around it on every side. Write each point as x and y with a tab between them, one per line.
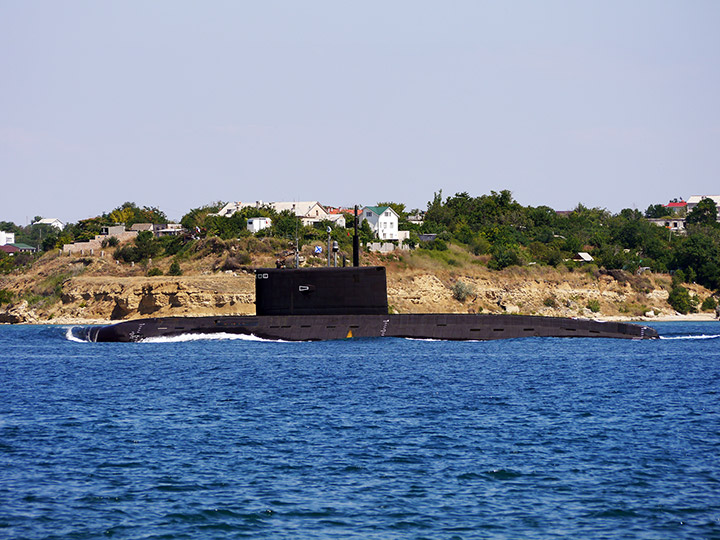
218	336
71	337
702	336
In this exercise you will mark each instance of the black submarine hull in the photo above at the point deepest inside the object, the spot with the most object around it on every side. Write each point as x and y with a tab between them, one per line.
479	327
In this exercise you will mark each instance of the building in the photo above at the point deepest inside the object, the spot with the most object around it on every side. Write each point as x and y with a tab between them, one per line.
416	219
168	229
54	222
583	257
693	201
112	230
309	212
6	238
257	224
676	207
24	248
230	208
383	221
674	224
159	229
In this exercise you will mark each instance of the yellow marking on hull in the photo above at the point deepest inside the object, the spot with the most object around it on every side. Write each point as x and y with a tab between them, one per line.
349	334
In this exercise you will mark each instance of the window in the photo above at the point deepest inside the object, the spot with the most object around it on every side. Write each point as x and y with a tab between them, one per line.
368	214
387	213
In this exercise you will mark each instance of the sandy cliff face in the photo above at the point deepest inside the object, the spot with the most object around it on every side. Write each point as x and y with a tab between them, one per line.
529	291
132	297
96	296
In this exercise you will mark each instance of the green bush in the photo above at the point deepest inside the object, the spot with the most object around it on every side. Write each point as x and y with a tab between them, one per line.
503	256
128	253
593	305
109	242
5	296
678	278
680	300
155	272
550	302
461	290
175	269
709	304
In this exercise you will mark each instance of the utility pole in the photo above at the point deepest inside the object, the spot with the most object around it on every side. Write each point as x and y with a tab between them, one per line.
329	230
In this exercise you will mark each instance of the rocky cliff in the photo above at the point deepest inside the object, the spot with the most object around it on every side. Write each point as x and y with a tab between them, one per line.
528	290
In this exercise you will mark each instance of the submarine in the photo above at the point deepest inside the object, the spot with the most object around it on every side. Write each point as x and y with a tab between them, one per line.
312	304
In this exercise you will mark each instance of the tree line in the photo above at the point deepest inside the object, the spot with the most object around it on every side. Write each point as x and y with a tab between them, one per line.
494	225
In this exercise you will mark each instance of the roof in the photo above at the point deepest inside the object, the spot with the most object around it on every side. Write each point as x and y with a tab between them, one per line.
584	256
22	247
47	221
9	248
697	198
681	204
380	209
300	208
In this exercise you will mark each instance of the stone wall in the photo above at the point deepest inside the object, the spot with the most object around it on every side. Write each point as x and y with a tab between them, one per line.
94	246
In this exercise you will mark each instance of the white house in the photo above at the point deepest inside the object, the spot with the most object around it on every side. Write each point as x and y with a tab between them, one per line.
693	201
383	221
6	238
51	221
230	208
257	224
674	224
309	212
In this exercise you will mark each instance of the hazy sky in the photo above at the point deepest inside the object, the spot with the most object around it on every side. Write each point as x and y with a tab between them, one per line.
177	104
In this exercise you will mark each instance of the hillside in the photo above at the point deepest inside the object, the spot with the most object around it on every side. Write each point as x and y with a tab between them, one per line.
70	289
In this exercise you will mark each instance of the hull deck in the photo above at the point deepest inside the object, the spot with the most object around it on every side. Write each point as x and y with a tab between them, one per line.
326	327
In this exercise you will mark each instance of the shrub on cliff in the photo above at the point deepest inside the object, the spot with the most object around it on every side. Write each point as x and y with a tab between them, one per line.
174	269
709	304
128	253
680	300
461	290
5	296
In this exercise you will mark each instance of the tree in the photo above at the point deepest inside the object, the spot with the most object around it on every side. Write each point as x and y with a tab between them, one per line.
680	300
700	252
705	213
129	213
175	269
656	211
196	217
147	245
286	225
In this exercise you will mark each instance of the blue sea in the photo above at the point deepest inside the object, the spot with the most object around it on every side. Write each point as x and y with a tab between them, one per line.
369	439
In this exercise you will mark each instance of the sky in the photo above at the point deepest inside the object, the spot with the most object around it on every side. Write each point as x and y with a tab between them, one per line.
177	104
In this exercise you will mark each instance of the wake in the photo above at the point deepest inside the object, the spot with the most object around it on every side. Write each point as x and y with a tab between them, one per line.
701	336
183	338
72	337
219	336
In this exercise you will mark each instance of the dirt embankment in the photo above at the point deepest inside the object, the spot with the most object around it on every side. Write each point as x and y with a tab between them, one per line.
65	290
